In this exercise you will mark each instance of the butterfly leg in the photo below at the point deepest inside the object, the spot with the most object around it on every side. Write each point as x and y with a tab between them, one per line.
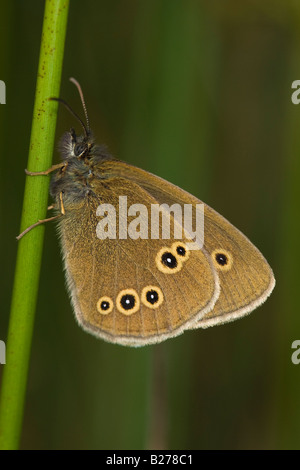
46	172
39	222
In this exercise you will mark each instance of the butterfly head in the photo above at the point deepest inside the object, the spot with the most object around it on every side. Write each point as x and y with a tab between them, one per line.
71	145
76	146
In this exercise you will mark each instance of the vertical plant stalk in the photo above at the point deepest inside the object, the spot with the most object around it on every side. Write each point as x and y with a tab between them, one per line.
34	208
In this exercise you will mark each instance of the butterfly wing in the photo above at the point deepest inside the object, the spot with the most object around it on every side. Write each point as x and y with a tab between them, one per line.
246	279
130	291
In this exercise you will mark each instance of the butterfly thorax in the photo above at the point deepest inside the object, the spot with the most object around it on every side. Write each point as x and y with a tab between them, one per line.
82	159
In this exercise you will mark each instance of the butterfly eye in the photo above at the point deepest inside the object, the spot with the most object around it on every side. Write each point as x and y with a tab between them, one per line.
167	262
79	149
128	301
105	305
180	250
222	259
152	296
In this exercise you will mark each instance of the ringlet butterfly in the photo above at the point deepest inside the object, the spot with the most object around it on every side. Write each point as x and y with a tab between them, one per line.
137	290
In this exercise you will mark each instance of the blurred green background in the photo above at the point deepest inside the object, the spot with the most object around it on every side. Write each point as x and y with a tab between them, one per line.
198	92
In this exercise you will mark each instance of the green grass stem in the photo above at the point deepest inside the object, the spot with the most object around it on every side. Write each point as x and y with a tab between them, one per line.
29	254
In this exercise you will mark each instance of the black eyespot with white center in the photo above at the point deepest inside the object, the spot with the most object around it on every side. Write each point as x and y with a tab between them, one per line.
181	251
152	297
222	259
105	305
128	301
167	261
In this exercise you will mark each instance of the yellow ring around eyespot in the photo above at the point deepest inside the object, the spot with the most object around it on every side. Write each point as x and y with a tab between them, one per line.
136	306
146	302
228	255
187	251
105	299
162	267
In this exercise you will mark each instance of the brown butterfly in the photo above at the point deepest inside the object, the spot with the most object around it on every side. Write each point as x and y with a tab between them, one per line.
130	284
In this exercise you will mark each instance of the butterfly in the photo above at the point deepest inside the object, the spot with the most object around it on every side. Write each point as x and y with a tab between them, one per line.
135	273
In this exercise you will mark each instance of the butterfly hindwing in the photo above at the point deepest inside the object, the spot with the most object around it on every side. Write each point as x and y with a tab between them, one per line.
121	289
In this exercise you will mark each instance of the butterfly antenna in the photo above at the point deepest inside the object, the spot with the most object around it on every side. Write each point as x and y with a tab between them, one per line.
60	100
73	80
